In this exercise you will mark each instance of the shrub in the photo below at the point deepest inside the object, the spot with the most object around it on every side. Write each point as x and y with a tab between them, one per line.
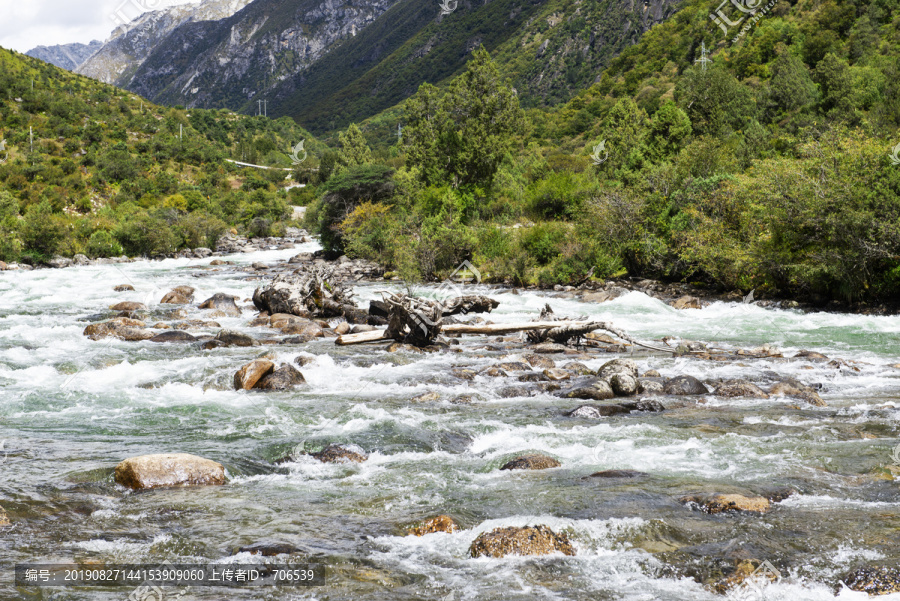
143	235
43	232
102	244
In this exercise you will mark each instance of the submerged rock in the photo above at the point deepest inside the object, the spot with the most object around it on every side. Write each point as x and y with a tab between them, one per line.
124	288
874	580
173	336
618	474
167	470
530	540
426	397
531	462
269	549
794	389
4	519
718	503
740	388
598	411
283	378
248	375
128	306
338	453
440	523
684	385
117	329
749	568
539	361
224	303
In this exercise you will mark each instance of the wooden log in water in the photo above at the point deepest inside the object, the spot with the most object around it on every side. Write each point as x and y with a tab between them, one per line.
464	328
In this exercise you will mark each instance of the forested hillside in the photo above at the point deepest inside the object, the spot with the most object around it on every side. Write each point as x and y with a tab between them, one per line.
88	168
768	167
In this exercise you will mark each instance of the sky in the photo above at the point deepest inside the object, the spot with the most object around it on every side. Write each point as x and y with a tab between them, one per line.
25	24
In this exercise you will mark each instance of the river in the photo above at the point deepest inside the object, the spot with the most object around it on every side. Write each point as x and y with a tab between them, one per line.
72	408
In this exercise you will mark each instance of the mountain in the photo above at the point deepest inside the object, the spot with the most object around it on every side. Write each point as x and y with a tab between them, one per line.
131	43
89	168
329	63
234	62
66	56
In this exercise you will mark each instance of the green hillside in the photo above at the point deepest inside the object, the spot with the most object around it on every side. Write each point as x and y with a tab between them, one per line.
769	169
92	169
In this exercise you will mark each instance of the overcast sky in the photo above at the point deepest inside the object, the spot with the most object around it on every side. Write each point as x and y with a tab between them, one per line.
25	24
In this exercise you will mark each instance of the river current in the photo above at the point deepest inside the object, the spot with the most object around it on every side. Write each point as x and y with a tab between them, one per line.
72	408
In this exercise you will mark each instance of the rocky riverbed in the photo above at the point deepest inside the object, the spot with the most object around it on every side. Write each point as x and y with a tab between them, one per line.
486	467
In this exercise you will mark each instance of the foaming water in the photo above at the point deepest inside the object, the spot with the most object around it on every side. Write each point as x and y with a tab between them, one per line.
72	408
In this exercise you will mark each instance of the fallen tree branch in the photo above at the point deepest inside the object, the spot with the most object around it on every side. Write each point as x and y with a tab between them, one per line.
503	328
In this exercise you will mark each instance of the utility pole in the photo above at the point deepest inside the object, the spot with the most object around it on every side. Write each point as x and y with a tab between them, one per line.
399	133
181	132
31	138
704	57
259	110
266	108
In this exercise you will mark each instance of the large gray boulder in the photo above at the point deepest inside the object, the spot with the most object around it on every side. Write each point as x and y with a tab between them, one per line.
168	469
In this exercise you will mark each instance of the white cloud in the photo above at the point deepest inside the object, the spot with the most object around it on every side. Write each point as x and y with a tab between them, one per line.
25	24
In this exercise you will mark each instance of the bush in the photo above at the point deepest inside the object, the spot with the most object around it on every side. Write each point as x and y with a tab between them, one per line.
102	244
43	232
200	229
143	235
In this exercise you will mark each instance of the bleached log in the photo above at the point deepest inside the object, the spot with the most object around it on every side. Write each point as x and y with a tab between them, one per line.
505	328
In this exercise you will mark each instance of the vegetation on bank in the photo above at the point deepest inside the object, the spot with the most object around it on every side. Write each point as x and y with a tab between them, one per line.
769	169
88	168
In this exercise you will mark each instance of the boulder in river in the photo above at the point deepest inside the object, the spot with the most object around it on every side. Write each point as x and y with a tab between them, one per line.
339	453
117	329
598	411
530	540
719	503
224	303
684	385
531	462
597	390
124	288
618	366
168	469
426	397
740	388
173	336
687	302
4	519
128	306
232	338
440	523
540	361
794	389
623	384
650	386
874	580
180	295
283	378
247	376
